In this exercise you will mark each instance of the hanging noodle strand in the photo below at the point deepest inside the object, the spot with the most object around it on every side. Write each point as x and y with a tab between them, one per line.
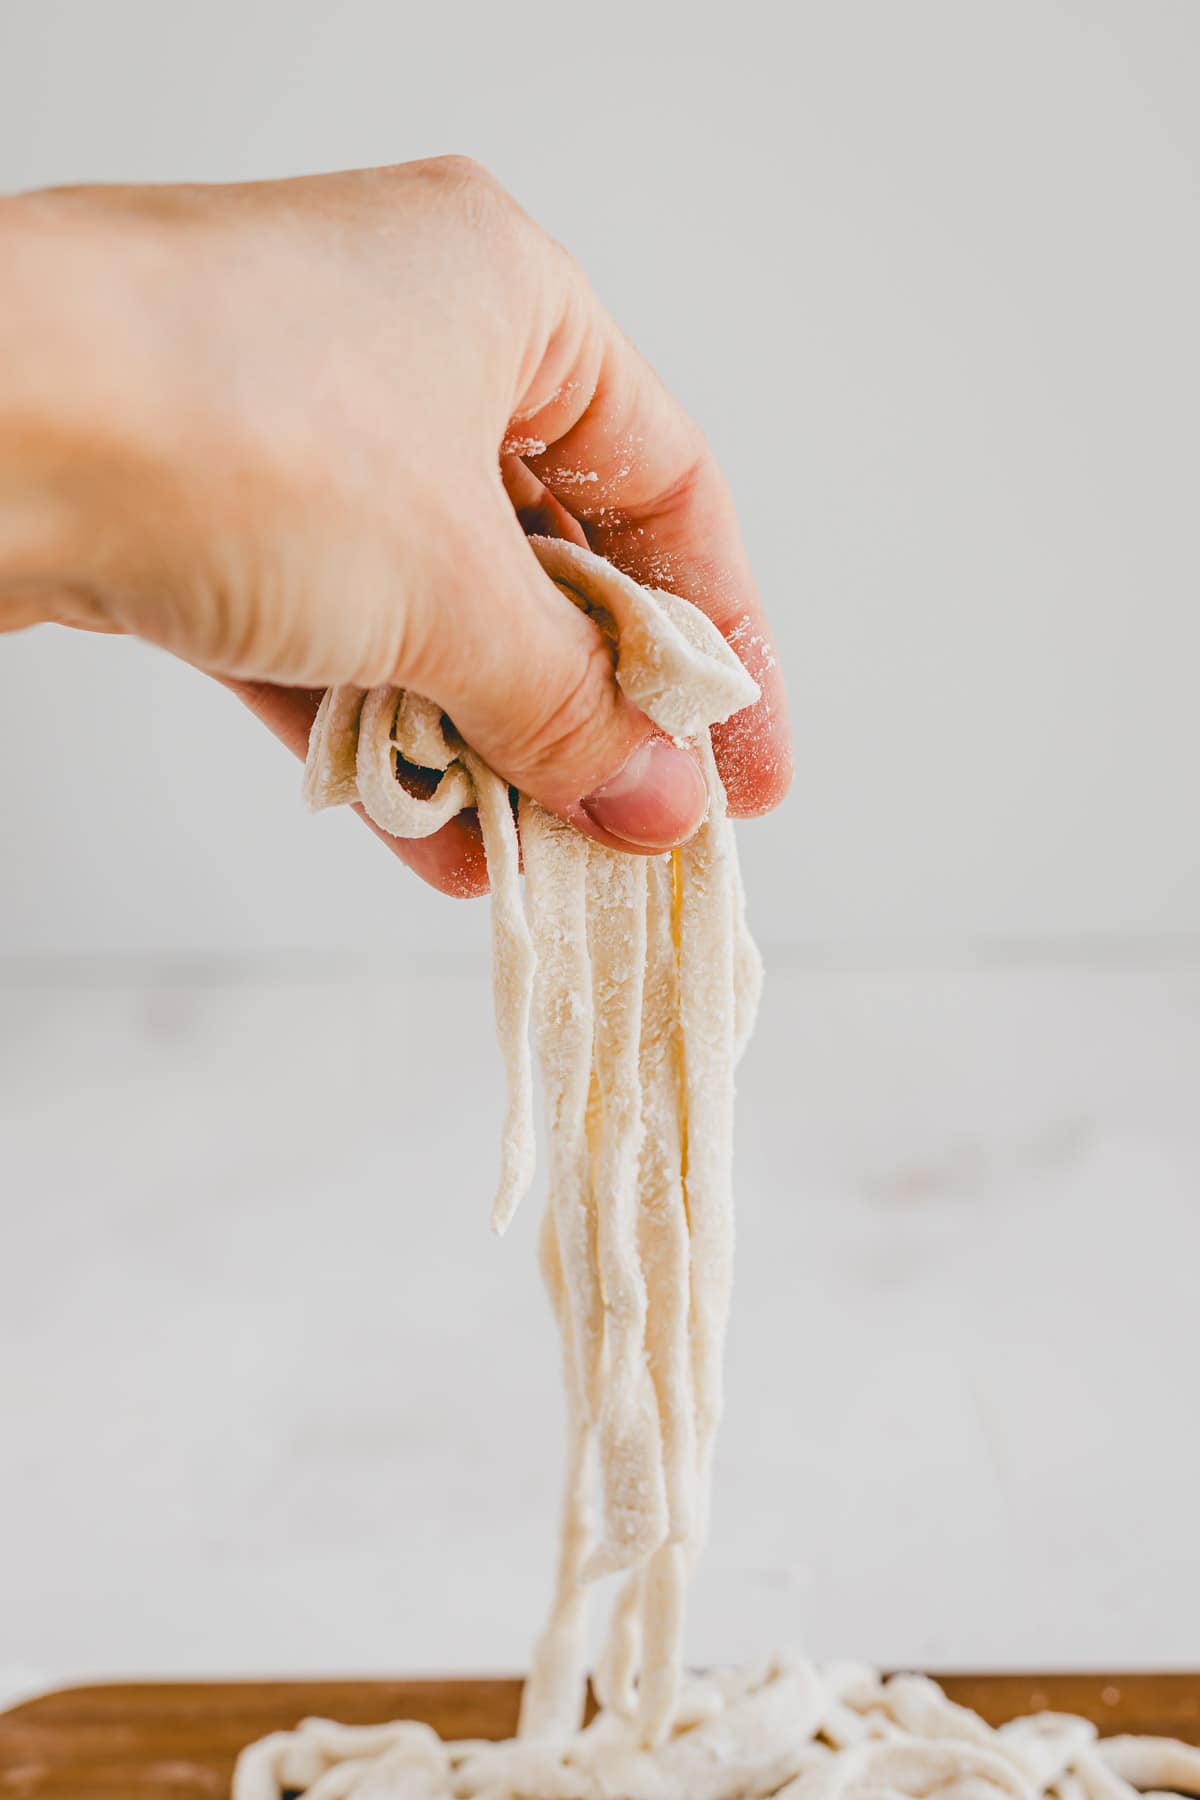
641	982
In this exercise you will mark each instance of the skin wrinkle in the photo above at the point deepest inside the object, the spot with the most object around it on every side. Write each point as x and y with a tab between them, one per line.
563	1023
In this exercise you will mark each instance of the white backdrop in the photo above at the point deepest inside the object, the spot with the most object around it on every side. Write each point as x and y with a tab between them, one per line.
929	275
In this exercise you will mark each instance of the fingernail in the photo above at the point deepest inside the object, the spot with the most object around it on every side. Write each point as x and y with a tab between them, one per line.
656	801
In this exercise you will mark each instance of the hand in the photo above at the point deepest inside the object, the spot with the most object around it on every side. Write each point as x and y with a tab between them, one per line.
291	431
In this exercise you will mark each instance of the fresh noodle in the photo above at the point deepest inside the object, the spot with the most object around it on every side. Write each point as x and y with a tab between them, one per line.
641	981
787	1730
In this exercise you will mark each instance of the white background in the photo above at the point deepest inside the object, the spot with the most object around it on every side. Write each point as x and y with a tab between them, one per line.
929	275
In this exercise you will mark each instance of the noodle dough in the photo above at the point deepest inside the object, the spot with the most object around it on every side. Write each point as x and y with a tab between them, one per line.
642	982
788	1730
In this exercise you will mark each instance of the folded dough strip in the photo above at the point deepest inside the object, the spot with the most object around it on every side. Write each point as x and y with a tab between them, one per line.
513	964
555	878
646	982
556	862
555	1688
380	751
664	1242
634	1502
331	767
662	1596
615	1676
653	1634
707	1023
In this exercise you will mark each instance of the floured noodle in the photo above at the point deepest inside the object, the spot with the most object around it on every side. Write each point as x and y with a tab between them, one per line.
641	981
556	892
512	976
633	1508
627	965
788	1730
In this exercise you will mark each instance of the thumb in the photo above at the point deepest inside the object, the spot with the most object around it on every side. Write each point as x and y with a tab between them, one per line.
528	680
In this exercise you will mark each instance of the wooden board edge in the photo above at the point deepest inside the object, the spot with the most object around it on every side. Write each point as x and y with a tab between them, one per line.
1022	1689
83	1697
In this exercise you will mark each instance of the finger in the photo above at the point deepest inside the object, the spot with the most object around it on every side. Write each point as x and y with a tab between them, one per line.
539	513
528	680
450	860
634	469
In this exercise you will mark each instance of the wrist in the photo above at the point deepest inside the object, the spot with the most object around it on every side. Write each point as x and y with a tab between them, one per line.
72	360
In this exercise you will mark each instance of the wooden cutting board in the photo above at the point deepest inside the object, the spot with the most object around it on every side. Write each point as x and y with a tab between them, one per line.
178	1740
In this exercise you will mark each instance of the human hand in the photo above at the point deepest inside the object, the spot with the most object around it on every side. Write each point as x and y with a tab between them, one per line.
291	431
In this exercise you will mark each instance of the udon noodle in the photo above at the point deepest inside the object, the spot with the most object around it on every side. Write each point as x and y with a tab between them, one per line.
641	982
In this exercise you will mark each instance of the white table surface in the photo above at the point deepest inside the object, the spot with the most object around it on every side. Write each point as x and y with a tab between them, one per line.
274	1400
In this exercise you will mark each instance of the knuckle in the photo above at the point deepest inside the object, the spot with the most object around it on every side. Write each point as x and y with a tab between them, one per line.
226	621
461	170
467	183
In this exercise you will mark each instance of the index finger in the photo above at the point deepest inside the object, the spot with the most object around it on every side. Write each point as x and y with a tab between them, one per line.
636	471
